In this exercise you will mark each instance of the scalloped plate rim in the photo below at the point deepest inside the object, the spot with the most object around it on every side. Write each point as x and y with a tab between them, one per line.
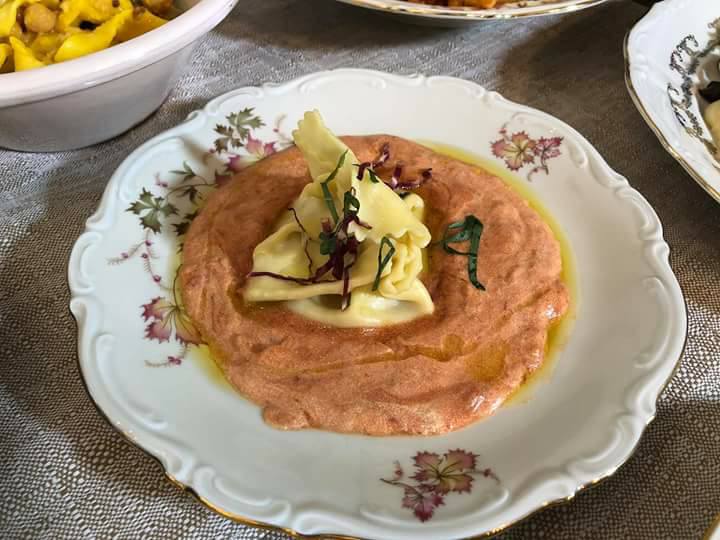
98	222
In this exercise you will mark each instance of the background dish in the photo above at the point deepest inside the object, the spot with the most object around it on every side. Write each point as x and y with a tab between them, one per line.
668	56
599	400
99	96
446	16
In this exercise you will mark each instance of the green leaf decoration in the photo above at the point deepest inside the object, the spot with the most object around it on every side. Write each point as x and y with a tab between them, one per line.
468	230
328	243
187	172
150	208
181	228
146	198
243	121
351	204
327	196
168	209
383	261
224	130
191	192
136	207
151	221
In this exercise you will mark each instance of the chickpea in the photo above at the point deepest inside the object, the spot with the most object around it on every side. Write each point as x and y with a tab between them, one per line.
39	19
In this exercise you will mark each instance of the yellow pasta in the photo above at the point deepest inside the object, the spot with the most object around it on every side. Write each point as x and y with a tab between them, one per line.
23	56
35	33
5	53
139	24
89	42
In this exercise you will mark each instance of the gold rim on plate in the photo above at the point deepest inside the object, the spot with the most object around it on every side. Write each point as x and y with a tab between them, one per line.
658	133
471	14
714	527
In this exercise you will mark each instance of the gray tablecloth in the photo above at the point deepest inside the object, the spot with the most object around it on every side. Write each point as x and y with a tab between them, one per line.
64	472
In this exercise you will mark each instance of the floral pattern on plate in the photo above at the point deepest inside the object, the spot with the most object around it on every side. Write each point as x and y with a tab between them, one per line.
175	208
518	150
436	477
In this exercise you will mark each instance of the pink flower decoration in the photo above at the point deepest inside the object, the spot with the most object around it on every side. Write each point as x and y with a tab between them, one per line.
548	148
520	150
435	477
516	150
423	503
256	150
235	163
163	317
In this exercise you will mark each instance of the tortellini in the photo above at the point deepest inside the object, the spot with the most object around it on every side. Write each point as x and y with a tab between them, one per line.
36	33
399	296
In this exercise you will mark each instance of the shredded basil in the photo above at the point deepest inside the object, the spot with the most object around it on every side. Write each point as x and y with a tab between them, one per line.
383	261
327	196
469	230
373	176
328	243
351	204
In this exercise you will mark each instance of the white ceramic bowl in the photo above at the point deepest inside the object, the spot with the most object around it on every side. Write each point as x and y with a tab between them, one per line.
94	98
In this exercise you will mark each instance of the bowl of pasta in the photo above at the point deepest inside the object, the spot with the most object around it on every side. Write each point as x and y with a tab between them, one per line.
78	72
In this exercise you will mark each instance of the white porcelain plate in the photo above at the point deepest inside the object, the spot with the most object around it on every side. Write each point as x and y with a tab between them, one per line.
454	16
143	367
669	55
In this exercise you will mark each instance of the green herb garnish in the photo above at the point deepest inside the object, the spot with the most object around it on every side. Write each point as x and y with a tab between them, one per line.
328	242
383	261
468	230
373	176
351	204
327	196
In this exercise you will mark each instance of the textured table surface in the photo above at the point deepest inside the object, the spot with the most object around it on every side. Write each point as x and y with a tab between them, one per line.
64	472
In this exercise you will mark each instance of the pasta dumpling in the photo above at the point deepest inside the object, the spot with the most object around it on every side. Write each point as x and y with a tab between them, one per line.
381	294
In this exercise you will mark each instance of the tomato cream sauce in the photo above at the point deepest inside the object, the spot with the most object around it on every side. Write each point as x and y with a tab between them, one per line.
428	376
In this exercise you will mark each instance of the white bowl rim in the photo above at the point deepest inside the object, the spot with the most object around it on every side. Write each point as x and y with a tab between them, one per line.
58	79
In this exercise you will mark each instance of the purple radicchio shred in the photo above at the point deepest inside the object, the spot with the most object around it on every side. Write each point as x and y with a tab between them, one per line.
307	255
379	161
362	168
394	183
383	157
395	179
307	240
299	281
352	250
297	219
340	260
425	176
